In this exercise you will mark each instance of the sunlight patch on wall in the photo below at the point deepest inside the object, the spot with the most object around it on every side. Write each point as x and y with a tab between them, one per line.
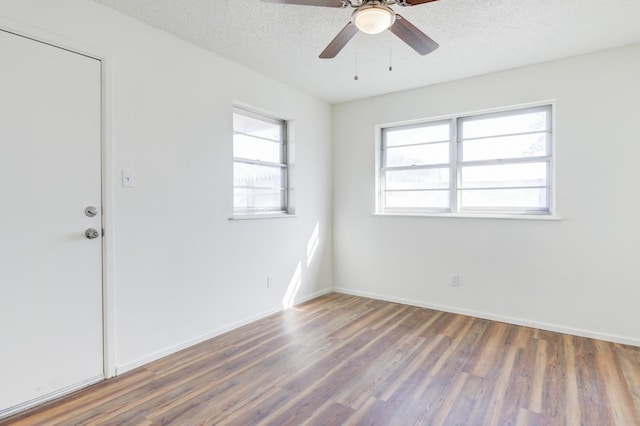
312	244
293	288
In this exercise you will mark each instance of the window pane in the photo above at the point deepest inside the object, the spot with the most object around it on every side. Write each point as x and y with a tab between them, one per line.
256	149
259	176
417	199
418	155
257	200
504	147
533	198
418	134
255	127
481	126
524	174
417	179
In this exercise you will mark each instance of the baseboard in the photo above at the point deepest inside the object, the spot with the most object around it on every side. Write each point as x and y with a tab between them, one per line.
506	319
191	342
313	296
49	397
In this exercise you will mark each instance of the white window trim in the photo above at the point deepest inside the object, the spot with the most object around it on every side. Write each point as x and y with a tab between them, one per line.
552	214
541	217
259	216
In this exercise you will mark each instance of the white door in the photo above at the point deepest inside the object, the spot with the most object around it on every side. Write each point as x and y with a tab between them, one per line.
50	272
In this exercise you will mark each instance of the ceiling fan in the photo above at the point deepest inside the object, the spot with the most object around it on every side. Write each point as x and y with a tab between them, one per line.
372	17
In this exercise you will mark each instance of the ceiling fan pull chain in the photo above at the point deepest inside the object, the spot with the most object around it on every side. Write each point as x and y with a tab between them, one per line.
355	77
390	51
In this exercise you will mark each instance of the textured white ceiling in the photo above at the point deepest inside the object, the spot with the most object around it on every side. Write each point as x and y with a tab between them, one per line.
475	37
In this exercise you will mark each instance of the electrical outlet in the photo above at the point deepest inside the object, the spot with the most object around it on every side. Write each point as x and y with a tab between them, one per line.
455	280
269	281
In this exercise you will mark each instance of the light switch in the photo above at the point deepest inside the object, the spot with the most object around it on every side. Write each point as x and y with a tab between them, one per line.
128	180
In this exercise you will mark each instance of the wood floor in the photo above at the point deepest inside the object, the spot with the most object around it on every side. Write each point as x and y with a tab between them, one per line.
349	360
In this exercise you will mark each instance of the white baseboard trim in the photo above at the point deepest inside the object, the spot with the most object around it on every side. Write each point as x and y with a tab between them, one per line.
191	342
313	296
501	318
50	397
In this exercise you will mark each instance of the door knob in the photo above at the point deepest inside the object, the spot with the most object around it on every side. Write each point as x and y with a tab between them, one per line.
91	233
91	211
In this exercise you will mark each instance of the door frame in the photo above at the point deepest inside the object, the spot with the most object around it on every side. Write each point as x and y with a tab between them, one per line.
107	186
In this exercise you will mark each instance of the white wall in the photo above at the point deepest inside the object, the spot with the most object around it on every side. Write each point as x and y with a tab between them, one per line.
181	270
576	275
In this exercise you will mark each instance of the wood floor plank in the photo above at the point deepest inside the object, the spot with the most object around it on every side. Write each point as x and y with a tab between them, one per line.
414	359
460	413
571	381
389	363
538	375
630	360
340	360
493	346
500	397
462	347
419	365
452	394
330	414
589	384
518	390
554	403
530	418
457	335
369	414
620	400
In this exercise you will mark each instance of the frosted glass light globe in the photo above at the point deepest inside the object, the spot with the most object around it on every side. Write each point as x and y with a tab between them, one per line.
374	19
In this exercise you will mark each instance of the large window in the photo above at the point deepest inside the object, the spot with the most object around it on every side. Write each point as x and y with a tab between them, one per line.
496	163
260	172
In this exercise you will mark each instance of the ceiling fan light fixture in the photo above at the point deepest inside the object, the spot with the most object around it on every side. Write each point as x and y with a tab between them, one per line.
373	19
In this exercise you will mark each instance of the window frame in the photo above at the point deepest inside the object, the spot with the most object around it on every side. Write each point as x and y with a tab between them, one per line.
456	164
286	206
383	157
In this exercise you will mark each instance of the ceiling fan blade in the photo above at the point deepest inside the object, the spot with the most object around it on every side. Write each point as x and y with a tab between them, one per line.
414	2
325	3
411	35
339	42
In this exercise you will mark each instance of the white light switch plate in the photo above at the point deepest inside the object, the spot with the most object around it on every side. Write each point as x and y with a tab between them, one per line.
128	180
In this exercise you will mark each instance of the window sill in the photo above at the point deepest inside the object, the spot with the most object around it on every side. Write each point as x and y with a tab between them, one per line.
477	216
262	216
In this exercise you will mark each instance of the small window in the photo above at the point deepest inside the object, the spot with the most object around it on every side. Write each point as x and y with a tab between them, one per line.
416	167
496	163
260	170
